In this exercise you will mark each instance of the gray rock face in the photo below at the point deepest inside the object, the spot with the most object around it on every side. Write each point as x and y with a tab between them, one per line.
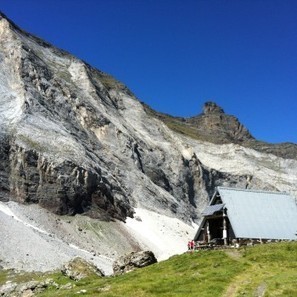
132	261
75	140
72	188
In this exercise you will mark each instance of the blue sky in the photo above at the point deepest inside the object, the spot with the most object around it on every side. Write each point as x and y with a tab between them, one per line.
175	55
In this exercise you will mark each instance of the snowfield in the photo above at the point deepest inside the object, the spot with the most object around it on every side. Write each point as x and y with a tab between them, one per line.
163	235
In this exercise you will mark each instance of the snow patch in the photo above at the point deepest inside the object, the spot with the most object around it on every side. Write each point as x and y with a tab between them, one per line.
187	153
163	235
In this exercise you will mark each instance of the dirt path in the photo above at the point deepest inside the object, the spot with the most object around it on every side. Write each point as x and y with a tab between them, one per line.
234	287
234	254
239	280
244	279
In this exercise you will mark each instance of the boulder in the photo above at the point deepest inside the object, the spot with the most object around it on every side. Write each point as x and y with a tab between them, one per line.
132	261
78	269
7	288
27	289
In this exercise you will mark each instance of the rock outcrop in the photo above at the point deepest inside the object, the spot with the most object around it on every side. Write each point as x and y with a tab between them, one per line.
215	124
75	140
132	261
78	269
27	289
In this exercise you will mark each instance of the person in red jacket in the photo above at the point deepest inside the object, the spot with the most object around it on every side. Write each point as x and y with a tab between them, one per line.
189	245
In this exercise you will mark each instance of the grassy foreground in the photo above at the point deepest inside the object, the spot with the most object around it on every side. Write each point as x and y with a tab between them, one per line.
263	270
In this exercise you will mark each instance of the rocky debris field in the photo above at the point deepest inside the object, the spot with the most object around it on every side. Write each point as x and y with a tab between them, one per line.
26	245
34	239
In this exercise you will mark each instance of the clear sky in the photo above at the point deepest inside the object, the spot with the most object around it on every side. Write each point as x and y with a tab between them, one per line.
176	54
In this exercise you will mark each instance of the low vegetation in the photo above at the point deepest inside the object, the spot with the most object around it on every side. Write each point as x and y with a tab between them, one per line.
176	124
263	270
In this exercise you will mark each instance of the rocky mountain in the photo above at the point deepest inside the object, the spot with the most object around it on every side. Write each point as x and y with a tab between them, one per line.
76	141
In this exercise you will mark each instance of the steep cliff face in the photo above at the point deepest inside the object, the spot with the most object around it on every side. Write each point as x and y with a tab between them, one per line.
75	140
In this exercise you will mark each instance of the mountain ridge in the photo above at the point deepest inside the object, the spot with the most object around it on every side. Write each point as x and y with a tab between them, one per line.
197	128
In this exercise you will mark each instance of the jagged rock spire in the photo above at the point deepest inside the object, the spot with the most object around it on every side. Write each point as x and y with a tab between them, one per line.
212	107
216	126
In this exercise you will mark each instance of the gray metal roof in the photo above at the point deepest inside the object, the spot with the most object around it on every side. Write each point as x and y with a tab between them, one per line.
259	214
210	210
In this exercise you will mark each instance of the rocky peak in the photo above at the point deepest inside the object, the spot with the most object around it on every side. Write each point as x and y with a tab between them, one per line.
216	126
212	108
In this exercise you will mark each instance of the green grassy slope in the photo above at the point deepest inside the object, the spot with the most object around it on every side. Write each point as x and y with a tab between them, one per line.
263	270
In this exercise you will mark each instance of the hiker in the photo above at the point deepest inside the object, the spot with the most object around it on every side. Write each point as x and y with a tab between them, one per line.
189	245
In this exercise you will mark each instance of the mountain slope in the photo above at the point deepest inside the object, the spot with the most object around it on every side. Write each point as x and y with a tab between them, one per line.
76	141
